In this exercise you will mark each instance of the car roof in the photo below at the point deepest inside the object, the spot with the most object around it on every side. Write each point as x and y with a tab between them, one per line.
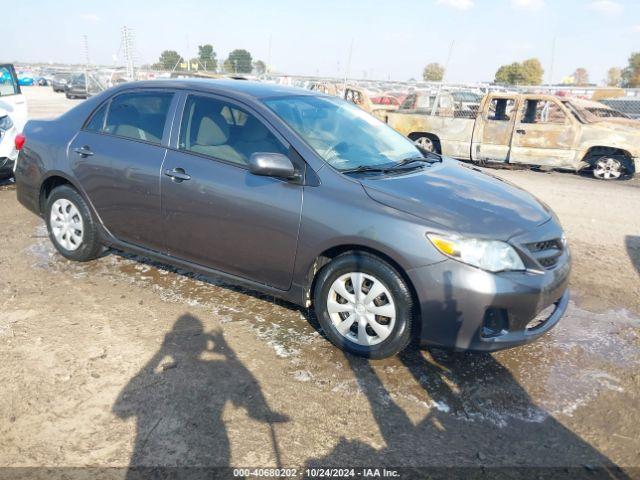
244	88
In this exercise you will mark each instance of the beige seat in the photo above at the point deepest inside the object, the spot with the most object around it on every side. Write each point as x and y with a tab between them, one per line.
255	137
212	138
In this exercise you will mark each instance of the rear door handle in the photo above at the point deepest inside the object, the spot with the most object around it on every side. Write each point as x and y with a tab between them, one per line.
177	175
520	131
84	151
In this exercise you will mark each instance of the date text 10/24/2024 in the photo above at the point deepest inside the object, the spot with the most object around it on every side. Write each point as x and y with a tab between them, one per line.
316	472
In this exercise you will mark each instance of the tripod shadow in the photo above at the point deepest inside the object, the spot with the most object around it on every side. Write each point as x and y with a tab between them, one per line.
178	398
633	250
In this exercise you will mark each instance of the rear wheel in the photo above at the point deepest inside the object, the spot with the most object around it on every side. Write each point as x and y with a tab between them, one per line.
425	143
70	224
610	167
364	306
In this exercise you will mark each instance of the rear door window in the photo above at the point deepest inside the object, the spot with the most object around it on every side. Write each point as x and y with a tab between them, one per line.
138	115
501	109
96	122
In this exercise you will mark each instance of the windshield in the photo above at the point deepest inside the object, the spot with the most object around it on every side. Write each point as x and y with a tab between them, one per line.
342	134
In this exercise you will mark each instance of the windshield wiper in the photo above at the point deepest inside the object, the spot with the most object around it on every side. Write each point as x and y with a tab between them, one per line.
365	168
407	161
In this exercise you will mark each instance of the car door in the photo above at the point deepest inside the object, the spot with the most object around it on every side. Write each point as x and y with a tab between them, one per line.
545	133
117	158
11	99
215	212
494	129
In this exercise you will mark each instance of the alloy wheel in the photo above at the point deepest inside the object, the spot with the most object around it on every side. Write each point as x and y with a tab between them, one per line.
607	168
425	143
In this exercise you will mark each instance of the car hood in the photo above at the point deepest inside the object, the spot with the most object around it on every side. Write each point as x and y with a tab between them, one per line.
460	198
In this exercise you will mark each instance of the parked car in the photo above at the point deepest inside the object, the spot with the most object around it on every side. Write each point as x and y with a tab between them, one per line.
26	80
530	129
59	81
76	87
390	242
13	116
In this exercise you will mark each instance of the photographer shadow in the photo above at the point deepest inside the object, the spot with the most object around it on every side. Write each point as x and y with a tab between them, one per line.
479	422
178	398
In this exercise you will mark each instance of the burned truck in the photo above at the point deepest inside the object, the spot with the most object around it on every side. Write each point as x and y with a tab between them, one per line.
538	130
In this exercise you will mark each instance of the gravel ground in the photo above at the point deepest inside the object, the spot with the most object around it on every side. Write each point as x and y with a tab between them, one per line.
124	362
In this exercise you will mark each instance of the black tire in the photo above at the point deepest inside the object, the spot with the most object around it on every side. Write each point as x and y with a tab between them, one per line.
90	246
369	264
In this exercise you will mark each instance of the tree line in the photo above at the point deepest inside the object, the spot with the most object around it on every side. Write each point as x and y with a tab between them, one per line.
530	72
238	61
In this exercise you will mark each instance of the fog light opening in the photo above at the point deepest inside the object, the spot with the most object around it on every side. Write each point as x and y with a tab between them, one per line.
496	322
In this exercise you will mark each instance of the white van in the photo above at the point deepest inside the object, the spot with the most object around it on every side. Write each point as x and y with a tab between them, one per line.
13	116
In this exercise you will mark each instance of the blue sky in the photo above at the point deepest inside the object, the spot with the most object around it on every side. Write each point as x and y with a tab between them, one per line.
390	39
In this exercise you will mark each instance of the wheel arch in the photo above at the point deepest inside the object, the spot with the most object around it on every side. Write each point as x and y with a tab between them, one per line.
52	181
329	254
596	151
413	136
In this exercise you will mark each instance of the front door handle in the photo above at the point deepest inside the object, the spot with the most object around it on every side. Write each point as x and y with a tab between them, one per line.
84	151
177	175
520	131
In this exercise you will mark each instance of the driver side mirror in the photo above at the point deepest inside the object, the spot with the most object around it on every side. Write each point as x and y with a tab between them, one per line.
272	165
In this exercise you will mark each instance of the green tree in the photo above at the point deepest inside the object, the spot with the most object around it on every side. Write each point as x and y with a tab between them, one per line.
532	71
260	67
631	74
239	61
434	72
207	57
529	72
614	77
512	74
169	59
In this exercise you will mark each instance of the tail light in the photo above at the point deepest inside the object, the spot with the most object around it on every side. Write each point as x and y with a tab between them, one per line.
19	141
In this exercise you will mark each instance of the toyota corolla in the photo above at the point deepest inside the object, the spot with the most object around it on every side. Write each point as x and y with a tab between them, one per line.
308	198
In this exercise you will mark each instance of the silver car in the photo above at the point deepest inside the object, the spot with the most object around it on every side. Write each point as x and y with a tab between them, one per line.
308	198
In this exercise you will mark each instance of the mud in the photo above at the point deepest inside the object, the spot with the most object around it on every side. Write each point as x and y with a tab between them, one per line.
124	361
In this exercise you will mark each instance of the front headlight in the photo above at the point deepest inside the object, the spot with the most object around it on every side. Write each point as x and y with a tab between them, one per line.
491	255
5	123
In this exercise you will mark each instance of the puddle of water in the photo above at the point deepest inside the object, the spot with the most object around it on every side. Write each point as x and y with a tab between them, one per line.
585	355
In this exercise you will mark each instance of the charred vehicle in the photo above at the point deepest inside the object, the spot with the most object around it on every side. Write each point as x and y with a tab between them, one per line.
539	130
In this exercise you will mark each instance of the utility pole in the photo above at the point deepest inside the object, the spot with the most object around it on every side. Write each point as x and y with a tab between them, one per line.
553	60
269	56
85	49
346	72
127	45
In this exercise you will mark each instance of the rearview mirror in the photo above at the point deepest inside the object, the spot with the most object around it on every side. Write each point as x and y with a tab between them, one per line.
271	165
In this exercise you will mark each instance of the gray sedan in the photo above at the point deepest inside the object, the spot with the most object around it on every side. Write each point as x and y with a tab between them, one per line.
308	198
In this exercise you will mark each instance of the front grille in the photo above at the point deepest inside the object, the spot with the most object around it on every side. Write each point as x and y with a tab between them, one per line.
546	252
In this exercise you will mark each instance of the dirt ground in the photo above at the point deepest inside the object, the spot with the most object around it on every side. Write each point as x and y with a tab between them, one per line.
123	362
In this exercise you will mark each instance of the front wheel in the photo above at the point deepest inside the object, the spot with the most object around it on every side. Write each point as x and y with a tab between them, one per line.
364	305
71	227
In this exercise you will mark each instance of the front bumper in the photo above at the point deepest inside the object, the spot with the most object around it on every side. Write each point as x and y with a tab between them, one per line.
6	166
459	302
